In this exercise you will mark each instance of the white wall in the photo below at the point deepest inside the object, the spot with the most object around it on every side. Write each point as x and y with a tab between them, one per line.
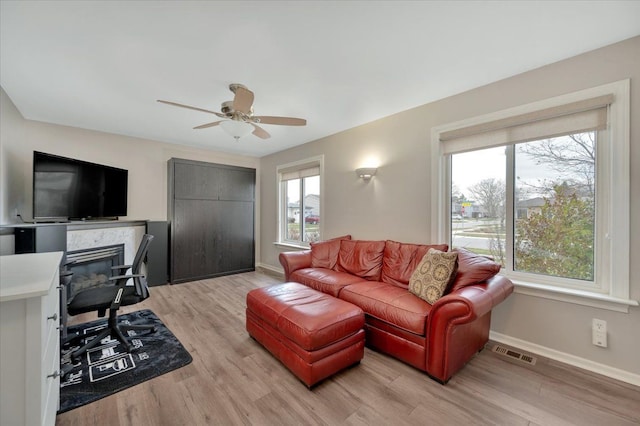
395	204
146	161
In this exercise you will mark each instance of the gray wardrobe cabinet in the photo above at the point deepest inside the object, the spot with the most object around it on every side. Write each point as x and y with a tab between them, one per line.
211	213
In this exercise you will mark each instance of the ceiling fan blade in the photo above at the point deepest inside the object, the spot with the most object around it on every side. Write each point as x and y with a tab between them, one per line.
191	107
204	126
243	100
260	132
283	121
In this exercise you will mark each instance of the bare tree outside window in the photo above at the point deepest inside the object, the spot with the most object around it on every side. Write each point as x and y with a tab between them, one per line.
572	157
490	194
478	189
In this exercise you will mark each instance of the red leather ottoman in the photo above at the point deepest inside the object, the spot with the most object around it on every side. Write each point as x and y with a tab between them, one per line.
313	334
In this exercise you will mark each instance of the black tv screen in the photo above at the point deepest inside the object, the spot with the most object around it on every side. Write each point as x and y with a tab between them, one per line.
67	189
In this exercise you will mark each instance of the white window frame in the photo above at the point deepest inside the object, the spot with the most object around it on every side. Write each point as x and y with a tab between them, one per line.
612	201
282	202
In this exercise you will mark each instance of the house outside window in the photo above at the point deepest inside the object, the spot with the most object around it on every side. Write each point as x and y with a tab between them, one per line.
543	190
300	217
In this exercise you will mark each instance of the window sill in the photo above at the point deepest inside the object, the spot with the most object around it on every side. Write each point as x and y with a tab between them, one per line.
578	297
290	246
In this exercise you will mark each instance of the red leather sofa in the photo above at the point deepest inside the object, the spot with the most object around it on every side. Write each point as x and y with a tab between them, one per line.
374	275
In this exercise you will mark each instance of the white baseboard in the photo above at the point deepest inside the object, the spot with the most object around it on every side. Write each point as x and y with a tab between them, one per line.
585	364
271	268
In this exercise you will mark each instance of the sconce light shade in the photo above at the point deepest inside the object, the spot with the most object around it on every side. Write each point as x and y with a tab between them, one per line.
236	128
366	173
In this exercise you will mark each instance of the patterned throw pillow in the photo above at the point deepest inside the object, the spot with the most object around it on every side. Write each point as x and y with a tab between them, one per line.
433	275
401	259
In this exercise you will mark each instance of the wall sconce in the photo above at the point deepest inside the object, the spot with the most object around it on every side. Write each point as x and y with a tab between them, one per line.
366	173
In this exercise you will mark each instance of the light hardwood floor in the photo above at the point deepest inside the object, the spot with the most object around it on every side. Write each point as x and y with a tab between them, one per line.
233	380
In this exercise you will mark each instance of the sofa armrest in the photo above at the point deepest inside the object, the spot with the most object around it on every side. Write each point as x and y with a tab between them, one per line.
293	260
458	325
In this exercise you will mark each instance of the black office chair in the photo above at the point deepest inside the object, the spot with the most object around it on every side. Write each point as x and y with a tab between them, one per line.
111	297
65	283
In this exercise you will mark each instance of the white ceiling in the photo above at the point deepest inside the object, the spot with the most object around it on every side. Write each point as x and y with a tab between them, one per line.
101	65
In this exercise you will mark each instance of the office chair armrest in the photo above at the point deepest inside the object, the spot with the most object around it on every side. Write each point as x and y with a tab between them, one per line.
121	267
124	279
120	277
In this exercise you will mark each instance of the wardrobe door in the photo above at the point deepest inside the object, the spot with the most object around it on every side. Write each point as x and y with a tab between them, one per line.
211	209
157	254
235	240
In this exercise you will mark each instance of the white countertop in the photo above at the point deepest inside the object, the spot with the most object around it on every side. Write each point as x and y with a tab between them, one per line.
28	275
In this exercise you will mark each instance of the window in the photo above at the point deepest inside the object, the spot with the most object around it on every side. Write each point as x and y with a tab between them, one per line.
544	190
300	201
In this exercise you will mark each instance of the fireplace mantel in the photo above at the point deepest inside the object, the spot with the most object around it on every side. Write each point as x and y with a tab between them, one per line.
91	234
99	224
73	225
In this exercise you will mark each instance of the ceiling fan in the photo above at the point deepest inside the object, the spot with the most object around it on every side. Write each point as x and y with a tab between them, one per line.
238	115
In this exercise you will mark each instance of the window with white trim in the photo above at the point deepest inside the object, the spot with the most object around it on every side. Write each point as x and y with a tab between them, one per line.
543	189
300	201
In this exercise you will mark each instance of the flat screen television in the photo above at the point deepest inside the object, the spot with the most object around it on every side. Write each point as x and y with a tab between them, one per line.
69	189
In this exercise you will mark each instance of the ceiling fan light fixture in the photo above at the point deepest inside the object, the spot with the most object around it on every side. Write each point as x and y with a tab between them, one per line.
236	129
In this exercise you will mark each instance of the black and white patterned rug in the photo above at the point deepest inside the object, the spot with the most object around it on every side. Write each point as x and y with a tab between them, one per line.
108	368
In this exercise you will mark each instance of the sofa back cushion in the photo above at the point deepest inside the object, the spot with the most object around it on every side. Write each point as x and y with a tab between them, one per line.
361	258
473	268
324	254
401	259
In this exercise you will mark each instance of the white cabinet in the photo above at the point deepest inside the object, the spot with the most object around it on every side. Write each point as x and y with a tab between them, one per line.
29	338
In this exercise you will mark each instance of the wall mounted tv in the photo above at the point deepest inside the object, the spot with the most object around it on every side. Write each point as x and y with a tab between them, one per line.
68	189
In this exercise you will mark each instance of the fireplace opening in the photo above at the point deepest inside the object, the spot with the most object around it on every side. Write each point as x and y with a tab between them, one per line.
92	267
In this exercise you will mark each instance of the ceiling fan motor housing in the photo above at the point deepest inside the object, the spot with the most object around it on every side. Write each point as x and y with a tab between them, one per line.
227	109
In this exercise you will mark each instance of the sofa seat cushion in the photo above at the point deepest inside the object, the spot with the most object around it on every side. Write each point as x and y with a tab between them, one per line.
325	280
389	303
400	260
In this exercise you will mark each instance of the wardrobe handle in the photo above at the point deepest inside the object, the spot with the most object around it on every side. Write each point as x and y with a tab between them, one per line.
53	317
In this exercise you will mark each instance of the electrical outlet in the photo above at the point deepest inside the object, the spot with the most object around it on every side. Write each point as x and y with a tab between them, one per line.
599	325
599	339
599	332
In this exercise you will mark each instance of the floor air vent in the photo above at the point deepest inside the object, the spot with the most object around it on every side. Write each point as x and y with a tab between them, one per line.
531	360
